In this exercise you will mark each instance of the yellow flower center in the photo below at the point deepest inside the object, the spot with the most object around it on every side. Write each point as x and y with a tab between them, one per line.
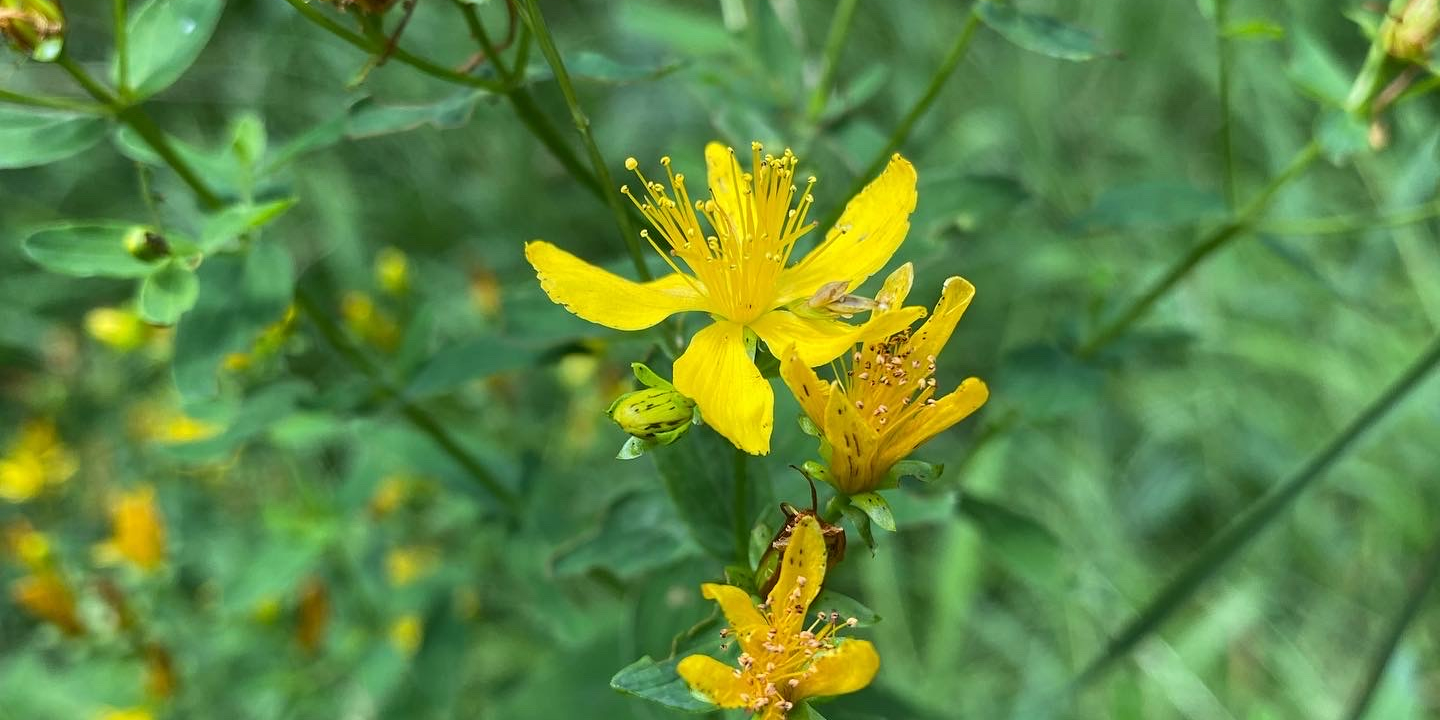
888	384
754	226
786	654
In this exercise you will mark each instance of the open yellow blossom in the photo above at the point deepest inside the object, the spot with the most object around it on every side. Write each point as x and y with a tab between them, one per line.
36	459
786	654
46	595
139	530
739	272
884	406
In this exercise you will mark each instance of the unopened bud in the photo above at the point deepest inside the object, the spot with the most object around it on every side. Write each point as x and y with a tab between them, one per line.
144	244
833	300
36	27
657	414
1409	35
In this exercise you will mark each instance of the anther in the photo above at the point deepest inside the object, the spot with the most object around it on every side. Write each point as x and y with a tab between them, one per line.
631	163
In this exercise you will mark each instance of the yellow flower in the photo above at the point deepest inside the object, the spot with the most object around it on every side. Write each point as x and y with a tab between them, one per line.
406	634
883	407
405	565
392	271
368	321
125	714
36	459
120	329
139	530
786	655
46	596
740	273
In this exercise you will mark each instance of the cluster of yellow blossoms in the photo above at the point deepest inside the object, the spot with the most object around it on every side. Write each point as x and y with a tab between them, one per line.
733	252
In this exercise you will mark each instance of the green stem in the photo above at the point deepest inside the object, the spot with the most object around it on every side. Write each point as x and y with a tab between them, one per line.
1342	224
834	43
902	131
1216	239
1236	536
1227	149
53	103
536	22
422	420
122	51
742	509
1414	602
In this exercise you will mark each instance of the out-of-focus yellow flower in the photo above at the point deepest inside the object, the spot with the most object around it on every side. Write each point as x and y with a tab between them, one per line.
369	322
267	610
313	615
739	273
405	565
786	654
138	530
883	407
392	271
28	545
485	292
268	344
406	633
160	680
390	495
120	329
34	26
36	459
137	713
46	595
1410	35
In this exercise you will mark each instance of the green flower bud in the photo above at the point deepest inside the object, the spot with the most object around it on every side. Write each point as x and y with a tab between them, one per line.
146	245
656	414
36	27
1409	35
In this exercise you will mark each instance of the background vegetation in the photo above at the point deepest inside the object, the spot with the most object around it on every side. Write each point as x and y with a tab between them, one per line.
401	502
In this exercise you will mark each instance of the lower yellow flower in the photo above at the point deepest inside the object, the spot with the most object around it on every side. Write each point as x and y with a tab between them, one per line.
884	406
36	459
786	655
46	595
139	530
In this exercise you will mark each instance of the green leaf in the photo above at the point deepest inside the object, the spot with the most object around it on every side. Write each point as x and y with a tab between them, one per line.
804	711
168	293
456	365
649	378
699	472
236	220
1039	33
922	471
240	295
165	38
1022	546
874	505
970	201
369	118
594	67
861	521
844	605
658	682
1151	205
1315	69
247	139
637	534
86	250
219	170
1254	30
30	137
1341	135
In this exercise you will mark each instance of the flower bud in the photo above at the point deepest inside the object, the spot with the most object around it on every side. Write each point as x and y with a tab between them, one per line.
832	300
653	413
1409	35
36	27
146	245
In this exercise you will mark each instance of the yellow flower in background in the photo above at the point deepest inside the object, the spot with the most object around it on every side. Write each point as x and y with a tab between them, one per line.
120	329
312	616
392	271
138	530
786	654
405	565
884	407
125	714
739	272
36	459
406	634
46	595
368	321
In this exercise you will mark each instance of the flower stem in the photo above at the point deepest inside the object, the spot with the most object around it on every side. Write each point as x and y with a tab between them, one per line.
52	103
1218	238
1227	148
834	43
1236	536
536	21
122	50
1342	224
918	110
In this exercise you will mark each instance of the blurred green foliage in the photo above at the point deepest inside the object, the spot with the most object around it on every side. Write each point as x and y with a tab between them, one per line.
326	557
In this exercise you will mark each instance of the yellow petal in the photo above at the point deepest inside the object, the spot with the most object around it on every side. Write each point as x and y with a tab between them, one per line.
862	241
849	667
931	421
819	341
605	298
718	374
747	622
896	288
853	445
812	392
932	336
713	680
802	572
725	180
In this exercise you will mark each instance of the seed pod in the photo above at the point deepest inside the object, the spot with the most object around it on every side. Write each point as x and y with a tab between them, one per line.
767	572
146	245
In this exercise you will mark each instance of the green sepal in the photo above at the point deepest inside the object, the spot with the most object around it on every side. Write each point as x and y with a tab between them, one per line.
741	577
649	378
876	507
817	472
922	471
847	607
633	448
861	521
809	427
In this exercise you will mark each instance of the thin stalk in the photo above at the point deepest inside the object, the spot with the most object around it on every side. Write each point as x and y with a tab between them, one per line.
536	21
53	103
122	50
422	420
1259	516
1414	602
834	43
902	131
1227	148
742	505
1218	238
1342	224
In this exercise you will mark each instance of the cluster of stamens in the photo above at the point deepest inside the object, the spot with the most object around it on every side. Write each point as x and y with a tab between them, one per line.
753	229
886	379
785	658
